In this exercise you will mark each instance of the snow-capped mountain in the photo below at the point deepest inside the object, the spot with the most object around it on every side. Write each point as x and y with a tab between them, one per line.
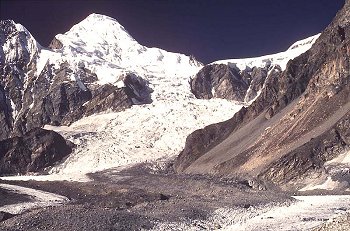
82	74
102	45
98	67
221	146
93	67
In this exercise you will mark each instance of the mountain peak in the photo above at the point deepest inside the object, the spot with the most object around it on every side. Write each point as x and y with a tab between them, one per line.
9	27
101	20
17	42
99	28
99	17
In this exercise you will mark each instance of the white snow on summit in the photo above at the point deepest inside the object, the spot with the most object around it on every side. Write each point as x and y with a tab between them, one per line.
21	45
280	59
103	46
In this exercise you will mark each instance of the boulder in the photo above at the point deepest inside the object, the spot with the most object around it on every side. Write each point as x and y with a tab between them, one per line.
32	152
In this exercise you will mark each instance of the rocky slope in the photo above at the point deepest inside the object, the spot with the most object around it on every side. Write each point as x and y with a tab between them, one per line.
5	216
299	121
33	152
341	223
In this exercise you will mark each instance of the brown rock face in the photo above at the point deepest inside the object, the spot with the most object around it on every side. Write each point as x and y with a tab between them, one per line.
55	44
32	152
225	82
219	81
299	121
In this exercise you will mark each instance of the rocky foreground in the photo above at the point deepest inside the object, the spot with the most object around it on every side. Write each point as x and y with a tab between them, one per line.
143	197
341	223
153	197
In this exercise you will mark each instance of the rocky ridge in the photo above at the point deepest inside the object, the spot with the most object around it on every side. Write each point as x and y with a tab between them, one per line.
242	80
226	82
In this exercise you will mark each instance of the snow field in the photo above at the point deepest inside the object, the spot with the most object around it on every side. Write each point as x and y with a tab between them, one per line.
40	199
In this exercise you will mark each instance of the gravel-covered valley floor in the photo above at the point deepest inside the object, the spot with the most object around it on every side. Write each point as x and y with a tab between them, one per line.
151	197
140	198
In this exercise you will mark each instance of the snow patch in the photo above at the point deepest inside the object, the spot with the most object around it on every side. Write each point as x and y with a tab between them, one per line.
343	158
40	199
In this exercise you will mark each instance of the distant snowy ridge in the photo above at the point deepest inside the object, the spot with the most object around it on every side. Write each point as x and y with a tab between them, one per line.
280	59
242	80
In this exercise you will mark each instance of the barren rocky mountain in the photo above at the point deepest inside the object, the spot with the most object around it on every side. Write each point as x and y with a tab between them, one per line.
299	121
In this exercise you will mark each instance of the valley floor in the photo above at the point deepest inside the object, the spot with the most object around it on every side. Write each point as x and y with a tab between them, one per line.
151	197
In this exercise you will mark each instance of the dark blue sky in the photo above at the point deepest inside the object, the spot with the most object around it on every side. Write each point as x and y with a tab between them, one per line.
208	29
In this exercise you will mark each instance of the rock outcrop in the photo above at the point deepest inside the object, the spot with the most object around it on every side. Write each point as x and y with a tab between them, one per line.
32	152
299	121
226	82
17	49
219	81
4	216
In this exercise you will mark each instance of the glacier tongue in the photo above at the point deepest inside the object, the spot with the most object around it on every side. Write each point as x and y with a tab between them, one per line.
142	133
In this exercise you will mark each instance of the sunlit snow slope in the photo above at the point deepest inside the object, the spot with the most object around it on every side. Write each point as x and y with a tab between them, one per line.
280	59
102	45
